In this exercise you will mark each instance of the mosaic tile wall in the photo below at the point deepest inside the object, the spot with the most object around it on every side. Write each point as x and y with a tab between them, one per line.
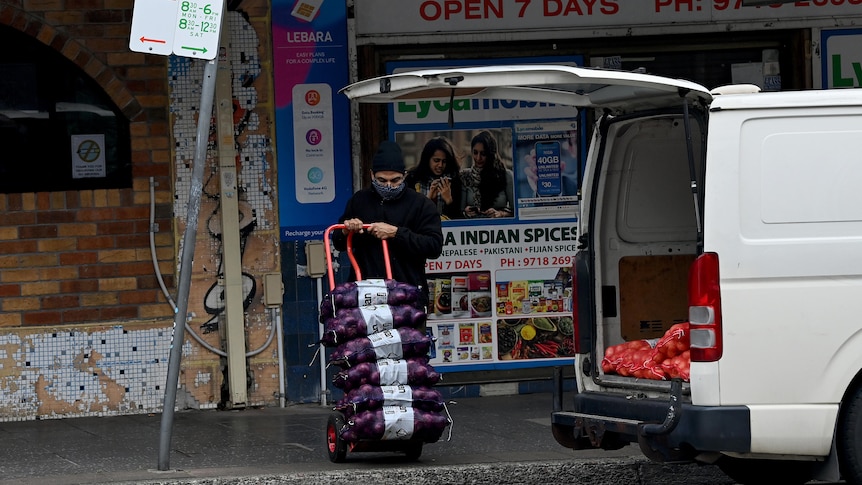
73	373
186	76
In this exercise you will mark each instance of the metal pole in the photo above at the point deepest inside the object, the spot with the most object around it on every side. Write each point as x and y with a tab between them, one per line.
187	257
321	347
276	320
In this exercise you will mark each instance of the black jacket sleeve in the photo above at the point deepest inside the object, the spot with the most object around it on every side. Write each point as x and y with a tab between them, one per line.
425	238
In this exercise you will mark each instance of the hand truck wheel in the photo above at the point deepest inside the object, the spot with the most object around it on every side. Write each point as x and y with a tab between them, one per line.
336	447
413	450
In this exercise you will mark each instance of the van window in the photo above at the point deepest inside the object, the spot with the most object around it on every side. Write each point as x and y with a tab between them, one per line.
829	189
656	203
797	193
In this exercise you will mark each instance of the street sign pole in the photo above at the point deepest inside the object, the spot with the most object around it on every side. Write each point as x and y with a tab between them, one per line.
195	32
187	257
190	236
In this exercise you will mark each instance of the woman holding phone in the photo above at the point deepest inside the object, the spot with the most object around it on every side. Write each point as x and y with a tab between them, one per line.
436	176
488	184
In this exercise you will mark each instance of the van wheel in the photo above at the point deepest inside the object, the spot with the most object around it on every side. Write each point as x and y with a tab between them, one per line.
849	440
766	472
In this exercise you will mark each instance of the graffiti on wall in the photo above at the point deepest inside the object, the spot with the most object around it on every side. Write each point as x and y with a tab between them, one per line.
252	146
257	220
214	302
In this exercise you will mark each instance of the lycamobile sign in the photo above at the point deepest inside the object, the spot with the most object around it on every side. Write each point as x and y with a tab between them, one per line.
839	66
841	63
471	110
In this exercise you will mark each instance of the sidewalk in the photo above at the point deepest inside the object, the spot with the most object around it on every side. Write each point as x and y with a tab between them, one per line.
491	437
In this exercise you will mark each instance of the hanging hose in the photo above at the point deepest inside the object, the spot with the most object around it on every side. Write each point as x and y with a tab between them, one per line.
171	302
153	245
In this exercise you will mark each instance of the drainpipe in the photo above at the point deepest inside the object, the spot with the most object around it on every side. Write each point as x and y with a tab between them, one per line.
234	313
280	330
316	267
273	297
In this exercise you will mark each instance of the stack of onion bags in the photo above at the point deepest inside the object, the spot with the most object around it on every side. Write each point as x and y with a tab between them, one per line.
374	326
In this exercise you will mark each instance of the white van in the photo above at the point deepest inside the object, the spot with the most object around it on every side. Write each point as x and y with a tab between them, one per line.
736	211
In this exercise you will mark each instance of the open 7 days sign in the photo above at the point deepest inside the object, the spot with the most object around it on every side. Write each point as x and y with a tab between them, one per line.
194	31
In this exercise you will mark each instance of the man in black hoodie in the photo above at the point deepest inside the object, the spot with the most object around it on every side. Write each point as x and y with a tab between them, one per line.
406	219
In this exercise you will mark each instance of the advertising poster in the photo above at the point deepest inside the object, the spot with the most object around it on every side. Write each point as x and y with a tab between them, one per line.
501	291
503	294
548	152
310	61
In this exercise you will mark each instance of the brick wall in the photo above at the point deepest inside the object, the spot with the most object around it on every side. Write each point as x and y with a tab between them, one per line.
83	256
80	303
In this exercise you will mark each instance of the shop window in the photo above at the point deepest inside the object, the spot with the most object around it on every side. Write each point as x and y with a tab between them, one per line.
58	128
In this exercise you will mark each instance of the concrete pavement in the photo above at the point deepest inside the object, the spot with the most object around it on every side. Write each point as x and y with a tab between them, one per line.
498	439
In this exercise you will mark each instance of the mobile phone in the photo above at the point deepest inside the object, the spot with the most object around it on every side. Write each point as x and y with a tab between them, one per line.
549	182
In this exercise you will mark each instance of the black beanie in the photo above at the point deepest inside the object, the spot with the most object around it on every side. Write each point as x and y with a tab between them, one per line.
387	158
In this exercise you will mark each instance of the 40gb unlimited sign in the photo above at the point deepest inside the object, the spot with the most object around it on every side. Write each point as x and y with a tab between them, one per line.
194	31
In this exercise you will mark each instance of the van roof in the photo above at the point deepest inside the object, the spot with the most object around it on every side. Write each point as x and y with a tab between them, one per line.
789	99
549	83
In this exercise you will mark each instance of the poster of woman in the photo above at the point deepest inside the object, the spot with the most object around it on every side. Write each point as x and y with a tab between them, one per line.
469	174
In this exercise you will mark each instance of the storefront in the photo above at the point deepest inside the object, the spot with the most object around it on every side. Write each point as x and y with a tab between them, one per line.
85	259
520	265
502	287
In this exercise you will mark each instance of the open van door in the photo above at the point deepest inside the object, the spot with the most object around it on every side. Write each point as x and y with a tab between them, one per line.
617	91
610	93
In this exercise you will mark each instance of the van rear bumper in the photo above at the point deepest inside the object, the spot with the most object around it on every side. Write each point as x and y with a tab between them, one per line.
598	417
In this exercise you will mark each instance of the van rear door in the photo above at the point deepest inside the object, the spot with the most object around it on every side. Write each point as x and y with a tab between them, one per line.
614	93
620	92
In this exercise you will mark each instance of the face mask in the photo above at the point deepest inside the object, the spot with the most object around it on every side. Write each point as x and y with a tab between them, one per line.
385	191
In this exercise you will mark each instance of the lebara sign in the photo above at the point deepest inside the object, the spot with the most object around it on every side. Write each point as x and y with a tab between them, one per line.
312	120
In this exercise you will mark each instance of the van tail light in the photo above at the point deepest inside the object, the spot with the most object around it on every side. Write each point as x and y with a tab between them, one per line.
704	309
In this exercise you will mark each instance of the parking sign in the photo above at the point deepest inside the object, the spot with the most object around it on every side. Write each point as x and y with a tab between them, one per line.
183	27
152	32
197	28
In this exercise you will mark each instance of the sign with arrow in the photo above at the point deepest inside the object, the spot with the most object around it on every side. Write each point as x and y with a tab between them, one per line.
197	28
194	31
152	33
